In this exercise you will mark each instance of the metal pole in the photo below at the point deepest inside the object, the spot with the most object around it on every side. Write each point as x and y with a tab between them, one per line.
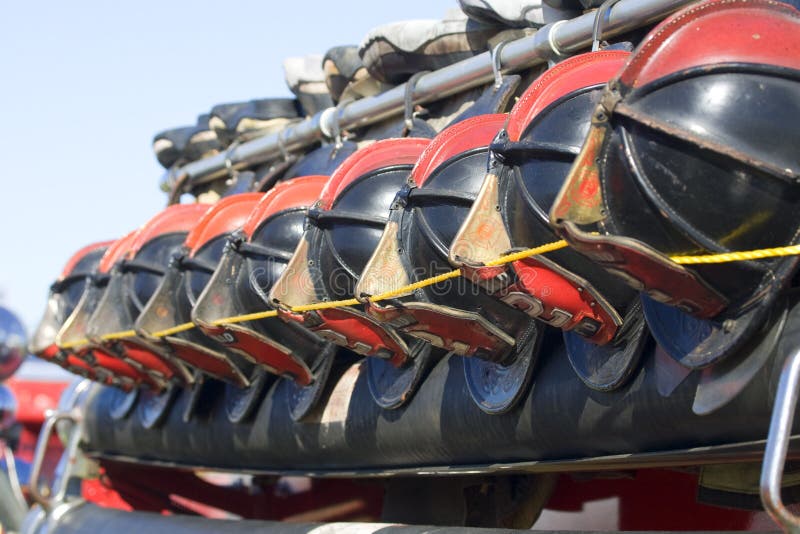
567	37
13	474
780	430
71	408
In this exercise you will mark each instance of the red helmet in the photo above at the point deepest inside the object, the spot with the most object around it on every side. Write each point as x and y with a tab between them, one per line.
72	336
65	293
529	161
453	315
133	279
691	152
252	261
342	232
223	299
186	275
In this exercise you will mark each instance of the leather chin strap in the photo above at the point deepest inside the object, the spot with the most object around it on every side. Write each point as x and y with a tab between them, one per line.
140	266
353	330
465	333
60	285
187	263
544	291
649	271
580	201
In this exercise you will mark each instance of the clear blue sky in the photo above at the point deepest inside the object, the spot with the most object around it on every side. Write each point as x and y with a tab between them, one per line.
86	84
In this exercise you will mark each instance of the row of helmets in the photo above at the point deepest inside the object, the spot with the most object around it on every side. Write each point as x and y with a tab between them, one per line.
685	146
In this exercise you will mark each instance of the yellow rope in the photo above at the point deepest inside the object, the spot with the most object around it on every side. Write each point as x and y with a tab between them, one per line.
325	305
416	285
516	256
746	255
73	344
174	330
388	294
244	318
508	258
118	335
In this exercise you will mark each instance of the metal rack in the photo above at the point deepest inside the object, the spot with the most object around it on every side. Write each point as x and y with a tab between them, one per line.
780	431
551	41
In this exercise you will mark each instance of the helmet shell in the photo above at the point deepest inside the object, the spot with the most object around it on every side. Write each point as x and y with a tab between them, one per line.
453	314
529	163
64	295
683	159
132	282
185	277
342	232
251	263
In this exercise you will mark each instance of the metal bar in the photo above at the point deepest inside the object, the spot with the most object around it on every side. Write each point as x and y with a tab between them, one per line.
780	428
71	407
38	459
567	37
732	453
69	459
56	494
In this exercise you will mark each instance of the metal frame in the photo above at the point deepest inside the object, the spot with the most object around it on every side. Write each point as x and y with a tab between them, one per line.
58	492
13	474
71	408
551	41
743	452
780	430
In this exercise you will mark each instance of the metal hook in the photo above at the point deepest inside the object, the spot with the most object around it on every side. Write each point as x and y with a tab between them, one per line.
497	64
558	53
329	125
282	145
232	172
599	17
408	99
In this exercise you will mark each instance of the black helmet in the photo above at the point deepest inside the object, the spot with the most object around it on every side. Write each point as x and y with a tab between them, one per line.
107	364
189	270
529	159
132	281
64	295
692	152
343	229
253	259
454	315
